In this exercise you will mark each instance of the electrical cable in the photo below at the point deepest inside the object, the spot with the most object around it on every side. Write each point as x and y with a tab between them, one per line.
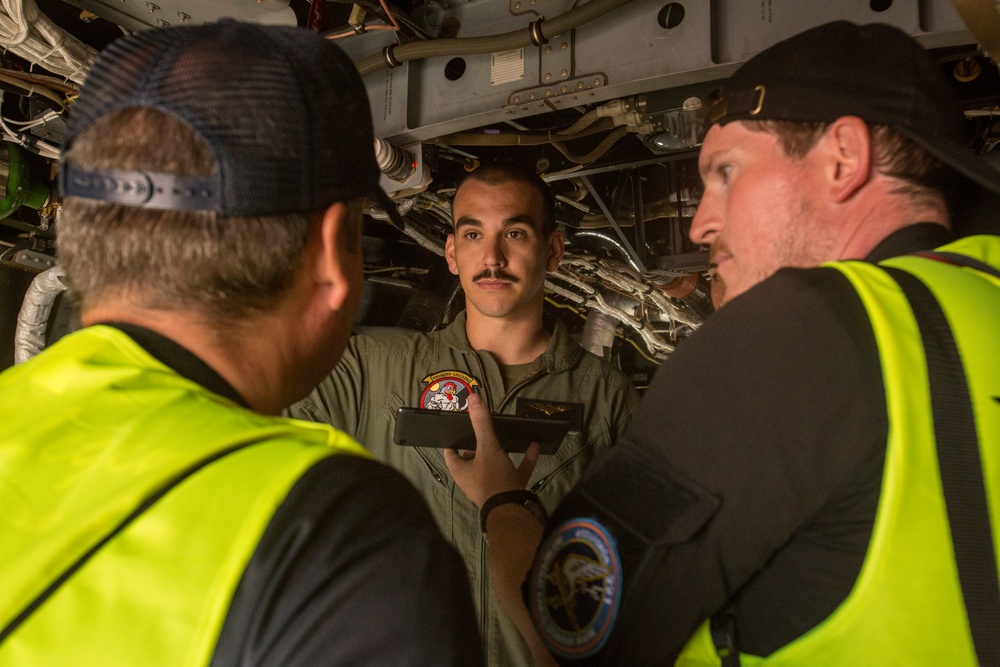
41	79
29	33
400	20
33	89
30	143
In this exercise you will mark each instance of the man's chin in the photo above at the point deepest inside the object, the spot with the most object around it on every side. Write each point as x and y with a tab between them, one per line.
495	308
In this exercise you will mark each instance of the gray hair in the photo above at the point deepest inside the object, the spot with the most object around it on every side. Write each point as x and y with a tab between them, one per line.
226	267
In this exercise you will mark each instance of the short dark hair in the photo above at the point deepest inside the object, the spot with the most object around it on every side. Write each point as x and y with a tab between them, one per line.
225	267
500	173
893	154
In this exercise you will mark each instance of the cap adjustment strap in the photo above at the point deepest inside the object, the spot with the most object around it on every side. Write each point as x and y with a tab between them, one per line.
144	189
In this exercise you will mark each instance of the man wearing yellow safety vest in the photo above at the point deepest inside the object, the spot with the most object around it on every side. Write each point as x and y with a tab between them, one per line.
154	509
832	494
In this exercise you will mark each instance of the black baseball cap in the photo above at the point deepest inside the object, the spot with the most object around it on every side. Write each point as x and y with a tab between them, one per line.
875	72
283	110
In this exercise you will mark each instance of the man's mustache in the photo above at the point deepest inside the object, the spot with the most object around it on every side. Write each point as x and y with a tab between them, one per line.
494	274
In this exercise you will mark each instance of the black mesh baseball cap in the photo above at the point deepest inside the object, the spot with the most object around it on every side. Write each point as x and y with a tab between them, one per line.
283	110
875	72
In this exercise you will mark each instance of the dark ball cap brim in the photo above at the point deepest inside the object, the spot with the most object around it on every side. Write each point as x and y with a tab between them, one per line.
875	72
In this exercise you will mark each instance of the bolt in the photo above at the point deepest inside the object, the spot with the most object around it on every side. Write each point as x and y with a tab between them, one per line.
161	23
548	92
152	7
563	73
517	100
579	85
531	96
564	46
563	89
548	49
548	76
183	17
597	82
517	5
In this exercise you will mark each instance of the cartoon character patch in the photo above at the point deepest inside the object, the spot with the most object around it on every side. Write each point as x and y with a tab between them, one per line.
576	588
447	390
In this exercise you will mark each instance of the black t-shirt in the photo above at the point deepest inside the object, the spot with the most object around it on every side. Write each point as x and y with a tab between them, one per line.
352	569
751	471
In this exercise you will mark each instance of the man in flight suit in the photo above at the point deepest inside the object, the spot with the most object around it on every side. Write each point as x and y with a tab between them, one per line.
504	240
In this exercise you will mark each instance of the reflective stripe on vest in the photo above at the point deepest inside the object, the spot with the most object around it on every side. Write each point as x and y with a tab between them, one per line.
906	607
94	425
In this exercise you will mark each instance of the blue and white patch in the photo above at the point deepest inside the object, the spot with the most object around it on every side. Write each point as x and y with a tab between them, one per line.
576	588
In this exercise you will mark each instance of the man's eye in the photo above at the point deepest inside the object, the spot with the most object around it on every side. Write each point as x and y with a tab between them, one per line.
516	234
724	170
472	236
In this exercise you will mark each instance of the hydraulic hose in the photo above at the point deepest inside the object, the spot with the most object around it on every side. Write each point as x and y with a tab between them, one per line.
537	33
29	336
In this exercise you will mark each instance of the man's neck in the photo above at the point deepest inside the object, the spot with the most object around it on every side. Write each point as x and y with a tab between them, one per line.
510	340
882	213
248	361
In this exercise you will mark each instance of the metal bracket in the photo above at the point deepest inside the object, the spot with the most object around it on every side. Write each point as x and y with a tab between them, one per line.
32	260
555	61
558	89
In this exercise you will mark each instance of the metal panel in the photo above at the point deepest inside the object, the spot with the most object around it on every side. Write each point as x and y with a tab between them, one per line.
626	52
745	28
145	14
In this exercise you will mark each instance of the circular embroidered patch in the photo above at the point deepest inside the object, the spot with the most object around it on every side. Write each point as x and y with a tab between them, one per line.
447	390
576	588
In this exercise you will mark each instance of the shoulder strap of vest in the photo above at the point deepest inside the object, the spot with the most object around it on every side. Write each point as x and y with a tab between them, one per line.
960	465
957	259
723	628
40	599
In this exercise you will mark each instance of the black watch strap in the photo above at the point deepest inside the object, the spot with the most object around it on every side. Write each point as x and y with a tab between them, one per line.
530	501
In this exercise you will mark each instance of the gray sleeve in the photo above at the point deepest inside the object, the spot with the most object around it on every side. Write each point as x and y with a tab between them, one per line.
622	413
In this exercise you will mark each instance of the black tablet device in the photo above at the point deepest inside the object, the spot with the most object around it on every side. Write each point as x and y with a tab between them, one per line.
416	427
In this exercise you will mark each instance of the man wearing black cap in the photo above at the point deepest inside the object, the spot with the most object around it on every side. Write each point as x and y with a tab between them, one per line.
827	498
155	508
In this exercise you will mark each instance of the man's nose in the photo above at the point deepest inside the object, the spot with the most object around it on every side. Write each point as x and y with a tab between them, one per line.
493	254
706	222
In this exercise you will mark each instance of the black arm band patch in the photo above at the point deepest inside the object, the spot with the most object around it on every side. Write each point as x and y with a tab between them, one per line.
605	542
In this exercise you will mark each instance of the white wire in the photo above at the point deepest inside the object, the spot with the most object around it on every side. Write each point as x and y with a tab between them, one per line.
583	274
34	122
39	146
26	31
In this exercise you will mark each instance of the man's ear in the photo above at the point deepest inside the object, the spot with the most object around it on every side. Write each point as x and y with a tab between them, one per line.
847	147
449	254
557	245
331	270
